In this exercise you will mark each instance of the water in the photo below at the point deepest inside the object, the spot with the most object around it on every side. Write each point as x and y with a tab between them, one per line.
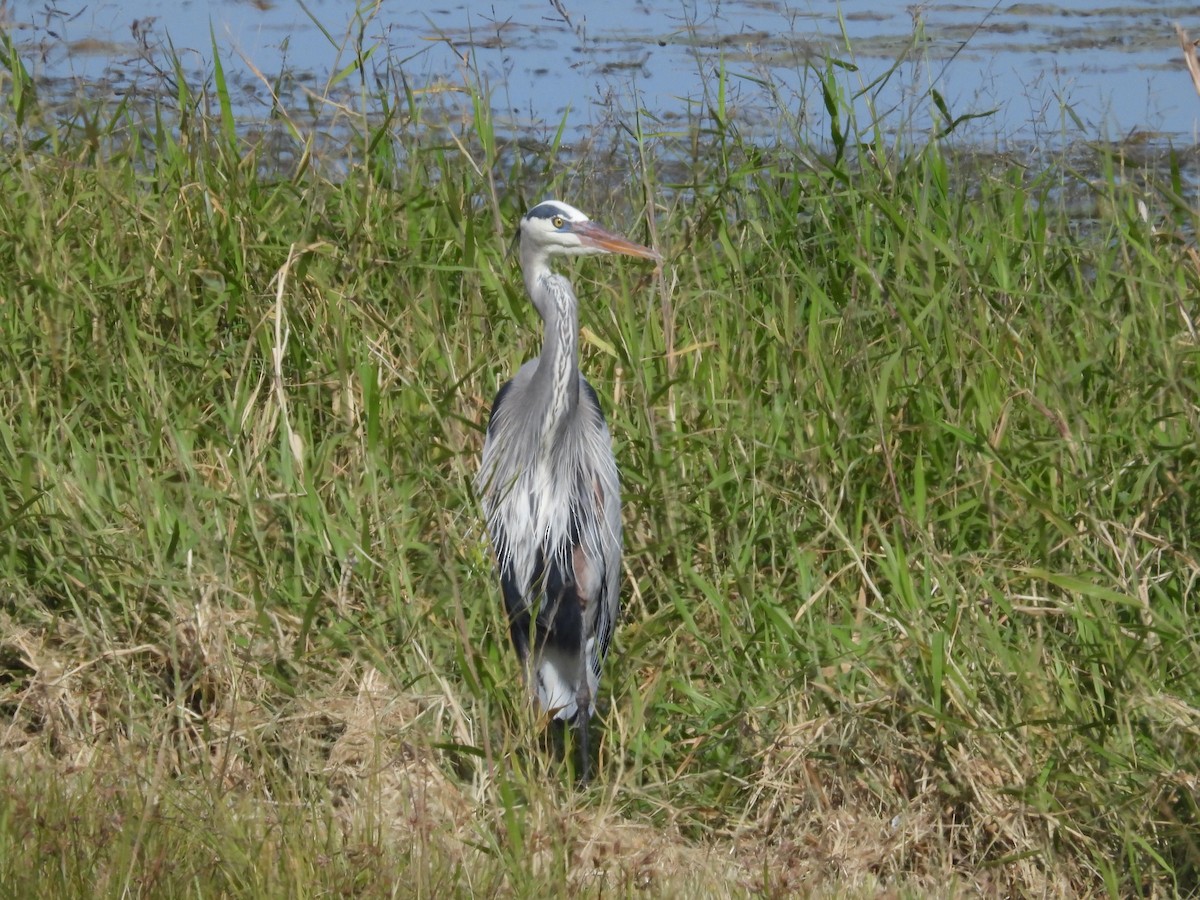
1119	70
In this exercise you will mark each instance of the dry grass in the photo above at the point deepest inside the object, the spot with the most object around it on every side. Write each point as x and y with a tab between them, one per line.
377	788
844	804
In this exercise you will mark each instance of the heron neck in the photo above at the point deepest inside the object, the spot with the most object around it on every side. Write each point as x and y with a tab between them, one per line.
557	375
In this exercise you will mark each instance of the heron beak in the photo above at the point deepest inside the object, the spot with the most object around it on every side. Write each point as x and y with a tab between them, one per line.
593	235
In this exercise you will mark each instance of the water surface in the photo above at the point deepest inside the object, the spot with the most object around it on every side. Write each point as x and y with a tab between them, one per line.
1118	70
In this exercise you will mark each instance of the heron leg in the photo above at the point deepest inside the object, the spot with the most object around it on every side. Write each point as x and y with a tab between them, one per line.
583	717
582	720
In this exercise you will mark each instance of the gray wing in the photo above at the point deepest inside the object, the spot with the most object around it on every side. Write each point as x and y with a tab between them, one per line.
516	603
567	574
598	548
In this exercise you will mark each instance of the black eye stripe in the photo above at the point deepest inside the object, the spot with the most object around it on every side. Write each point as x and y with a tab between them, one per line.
545	211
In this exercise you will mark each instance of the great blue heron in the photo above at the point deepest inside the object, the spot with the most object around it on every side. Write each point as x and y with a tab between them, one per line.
549	485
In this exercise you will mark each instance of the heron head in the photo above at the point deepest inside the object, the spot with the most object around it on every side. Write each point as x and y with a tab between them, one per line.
555	228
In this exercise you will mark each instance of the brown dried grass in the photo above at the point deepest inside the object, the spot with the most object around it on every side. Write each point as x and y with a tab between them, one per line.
844	804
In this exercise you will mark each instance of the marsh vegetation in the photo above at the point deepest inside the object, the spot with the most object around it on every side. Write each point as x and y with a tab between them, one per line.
909	458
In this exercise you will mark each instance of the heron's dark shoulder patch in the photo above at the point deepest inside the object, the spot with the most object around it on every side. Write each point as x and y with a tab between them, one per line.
497	403
511	394
592	399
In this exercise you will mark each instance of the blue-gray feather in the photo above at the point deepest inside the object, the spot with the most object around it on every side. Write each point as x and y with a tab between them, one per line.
549	485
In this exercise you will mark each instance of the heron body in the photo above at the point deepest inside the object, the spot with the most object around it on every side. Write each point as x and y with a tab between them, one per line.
550	489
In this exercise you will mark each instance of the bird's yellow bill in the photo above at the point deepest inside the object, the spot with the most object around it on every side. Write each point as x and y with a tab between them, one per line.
592	234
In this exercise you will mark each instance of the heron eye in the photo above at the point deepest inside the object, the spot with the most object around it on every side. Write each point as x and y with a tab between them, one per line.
558	222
